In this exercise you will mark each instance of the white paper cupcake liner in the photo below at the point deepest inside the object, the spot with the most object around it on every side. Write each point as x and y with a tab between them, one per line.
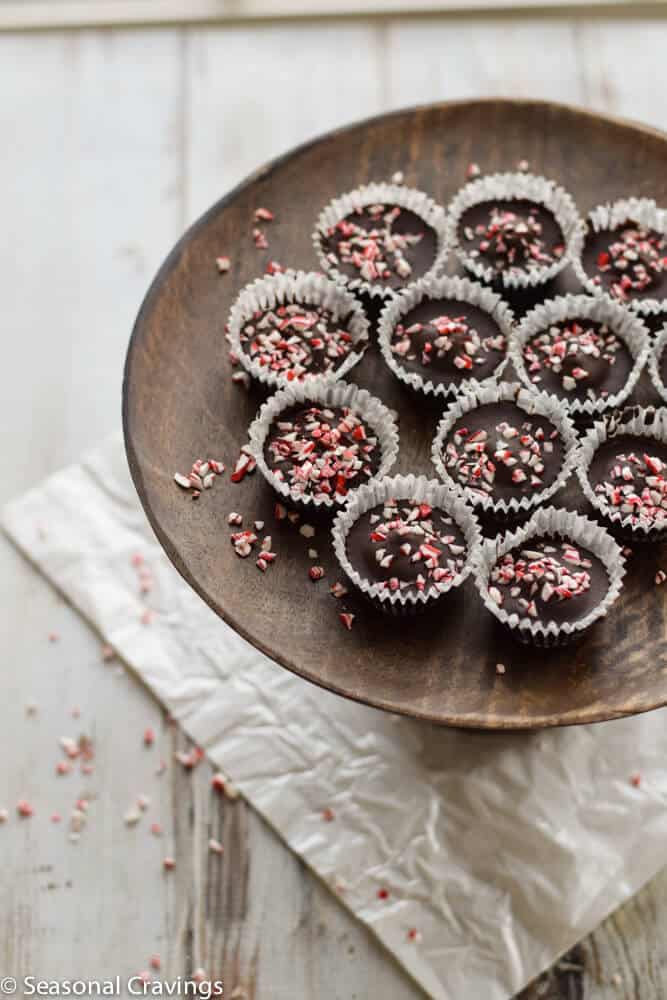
308	289
628	326
575	527
533	403
654	359
646	212
462	290
648	423
410	487
382	194
515	186
323	392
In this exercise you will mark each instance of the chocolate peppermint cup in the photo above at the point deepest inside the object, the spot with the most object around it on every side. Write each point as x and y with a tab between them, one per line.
444	335
316	441
657	364
504	449
405	542
623	254
551	580
513	229
587	352
291	327
381	237
623	472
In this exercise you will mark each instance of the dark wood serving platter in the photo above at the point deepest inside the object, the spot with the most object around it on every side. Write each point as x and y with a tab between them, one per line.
179	403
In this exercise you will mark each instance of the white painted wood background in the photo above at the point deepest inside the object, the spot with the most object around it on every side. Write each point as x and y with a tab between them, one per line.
112	142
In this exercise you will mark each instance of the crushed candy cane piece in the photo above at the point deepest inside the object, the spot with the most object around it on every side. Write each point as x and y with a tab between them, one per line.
223	264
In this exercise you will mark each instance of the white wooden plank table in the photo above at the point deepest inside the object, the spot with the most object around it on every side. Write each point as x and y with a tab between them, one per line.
113	141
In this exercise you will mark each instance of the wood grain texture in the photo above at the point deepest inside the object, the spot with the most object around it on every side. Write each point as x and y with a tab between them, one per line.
441	668
177	121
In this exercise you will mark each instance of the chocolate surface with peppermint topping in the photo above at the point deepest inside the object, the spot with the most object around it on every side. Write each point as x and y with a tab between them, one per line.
382	244
446	340
629	473
407	546
629	262
322	451
297	340
578	359
548	579
515	235
499	451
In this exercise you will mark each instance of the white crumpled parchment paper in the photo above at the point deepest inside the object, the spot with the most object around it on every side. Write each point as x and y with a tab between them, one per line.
501	851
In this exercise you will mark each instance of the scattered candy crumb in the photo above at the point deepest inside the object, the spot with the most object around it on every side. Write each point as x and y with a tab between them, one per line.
328	815
347	619
500	668
660	577
635	780
223	264
215	847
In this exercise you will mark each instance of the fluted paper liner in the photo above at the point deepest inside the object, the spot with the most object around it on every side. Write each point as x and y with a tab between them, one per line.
515	186
382	194
410	487
584	533
462	290
646	212
625	324
650	423
532	403
323	392
654	358
308	289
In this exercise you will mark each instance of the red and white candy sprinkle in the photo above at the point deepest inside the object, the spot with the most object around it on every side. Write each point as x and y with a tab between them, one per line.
201	476
223	264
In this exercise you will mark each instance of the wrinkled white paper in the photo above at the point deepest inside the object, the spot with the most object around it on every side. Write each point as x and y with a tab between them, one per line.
501	850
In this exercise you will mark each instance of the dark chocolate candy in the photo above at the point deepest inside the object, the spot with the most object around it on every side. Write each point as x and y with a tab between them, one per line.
296	340
549	579
407	546
628	261
578	359
322	451
446	340
511	235
382	244
500	451
629	473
